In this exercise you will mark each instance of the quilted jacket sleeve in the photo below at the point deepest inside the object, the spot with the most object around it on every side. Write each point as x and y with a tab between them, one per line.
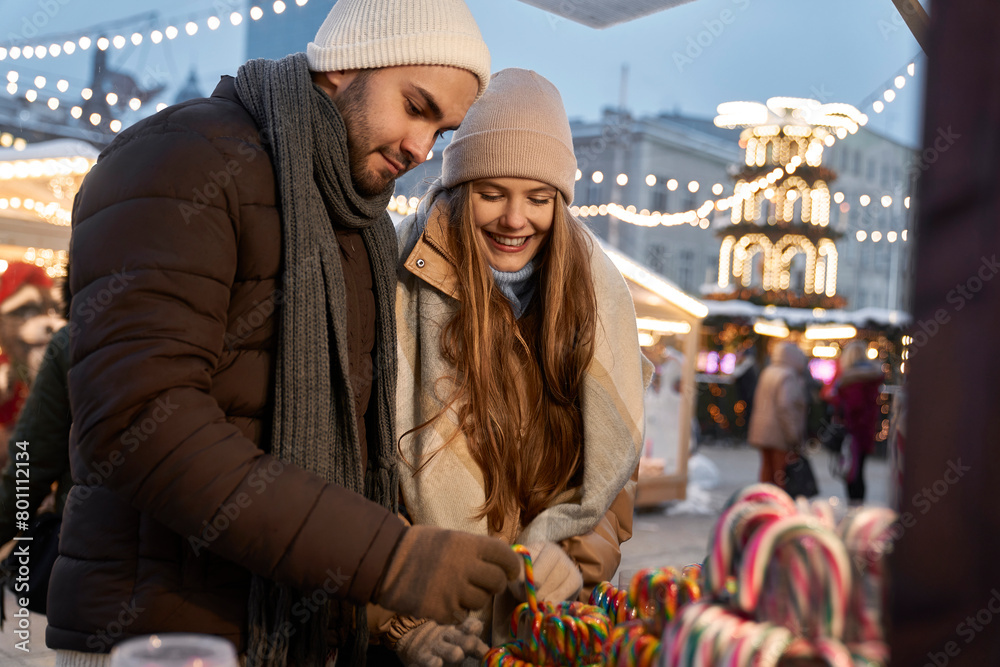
153	261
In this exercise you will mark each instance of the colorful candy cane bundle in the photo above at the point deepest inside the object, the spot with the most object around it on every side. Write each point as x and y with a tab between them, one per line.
653	599
782	581
564	633
867	534
613	601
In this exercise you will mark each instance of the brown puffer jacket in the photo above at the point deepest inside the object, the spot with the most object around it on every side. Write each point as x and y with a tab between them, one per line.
176	258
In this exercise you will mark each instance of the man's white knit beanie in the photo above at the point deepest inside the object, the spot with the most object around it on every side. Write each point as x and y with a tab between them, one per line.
518	130
369	34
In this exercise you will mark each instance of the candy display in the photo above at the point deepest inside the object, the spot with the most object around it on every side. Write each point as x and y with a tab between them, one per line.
783	581
653	599
560	633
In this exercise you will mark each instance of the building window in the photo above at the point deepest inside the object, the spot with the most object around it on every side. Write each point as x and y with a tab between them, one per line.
660	199
657	258
857	162
594	193
687	269
690	201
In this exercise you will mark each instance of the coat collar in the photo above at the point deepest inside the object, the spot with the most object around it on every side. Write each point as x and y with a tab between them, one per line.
431	260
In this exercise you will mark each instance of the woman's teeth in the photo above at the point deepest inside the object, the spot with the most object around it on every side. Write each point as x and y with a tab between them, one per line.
506	240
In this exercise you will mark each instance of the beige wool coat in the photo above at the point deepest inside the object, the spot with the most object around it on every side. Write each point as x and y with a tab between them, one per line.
778	419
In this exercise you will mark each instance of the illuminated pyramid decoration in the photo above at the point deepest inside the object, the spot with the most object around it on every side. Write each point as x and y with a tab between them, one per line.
781	201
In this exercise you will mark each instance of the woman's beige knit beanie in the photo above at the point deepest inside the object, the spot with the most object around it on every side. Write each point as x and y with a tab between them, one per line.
370	34
518	129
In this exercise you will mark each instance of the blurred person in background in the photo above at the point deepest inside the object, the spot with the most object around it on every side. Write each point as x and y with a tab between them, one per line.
853	394
778	421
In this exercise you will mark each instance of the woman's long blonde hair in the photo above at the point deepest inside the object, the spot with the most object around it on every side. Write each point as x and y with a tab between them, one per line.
518	381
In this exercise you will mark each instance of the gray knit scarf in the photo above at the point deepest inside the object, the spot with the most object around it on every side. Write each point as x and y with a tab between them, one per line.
315	423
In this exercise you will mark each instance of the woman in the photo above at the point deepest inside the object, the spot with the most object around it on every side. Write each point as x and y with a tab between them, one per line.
854	397
778	421
520	393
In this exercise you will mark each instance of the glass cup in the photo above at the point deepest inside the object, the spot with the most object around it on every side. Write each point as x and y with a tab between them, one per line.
175	650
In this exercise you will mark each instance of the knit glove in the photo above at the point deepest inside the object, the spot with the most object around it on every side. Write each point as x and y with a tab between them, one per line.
442	574
433	645
557	578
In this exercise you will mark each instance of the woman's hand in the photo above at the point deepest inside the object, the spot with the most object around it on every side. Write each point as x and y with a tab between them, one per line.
557	578
433	645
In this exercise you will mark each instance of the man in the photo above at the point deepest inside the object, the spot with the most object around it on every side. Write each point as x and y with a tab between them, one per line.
233	356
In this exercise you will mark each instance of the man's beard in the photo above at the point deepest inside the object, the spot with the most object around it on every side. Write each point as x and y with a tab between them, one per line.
354	107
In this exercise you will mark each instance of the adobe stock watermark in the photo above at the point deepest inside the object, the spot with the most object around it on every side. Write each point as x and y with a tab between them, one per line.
131	438
923	501
91	307
566	8
968	629
304	608
943	141
611	133
230	511
958	297
217	181
33	23
890	27
102	640
247	324
96	304
704	39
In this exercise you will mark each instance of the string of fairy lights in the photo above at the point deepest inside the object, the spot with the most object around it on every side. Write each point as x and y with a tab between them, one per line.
697	217
38	88
85	39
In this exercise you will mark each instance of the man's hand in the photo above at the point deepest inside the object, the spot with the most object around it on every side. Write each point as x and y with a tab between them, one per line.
443	574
